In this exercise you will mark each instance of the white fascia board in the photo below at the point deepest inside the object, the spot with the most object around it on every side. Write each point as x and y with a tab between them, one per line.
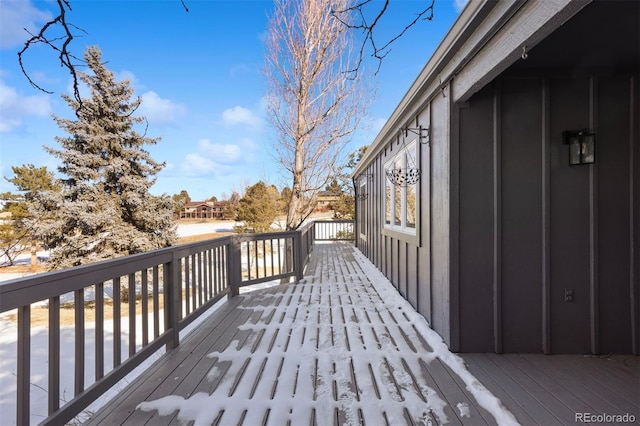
528	27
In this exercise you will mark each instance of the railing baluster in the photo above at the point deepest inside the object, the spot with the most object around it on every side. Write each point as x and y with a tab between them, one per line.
79	341
156	302
201	284
173	300
54	354
24	365
256	250
187	291
194	282
99	337
117	342
279	257
144	288
132	313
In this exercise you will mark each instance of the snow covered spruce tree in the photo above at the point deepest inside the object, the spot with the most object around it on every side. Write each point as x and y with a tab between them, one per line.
104	209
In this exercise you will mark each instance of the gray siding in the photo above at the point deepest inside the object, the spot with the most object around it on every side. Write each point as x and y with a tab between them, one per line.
590	212
507	227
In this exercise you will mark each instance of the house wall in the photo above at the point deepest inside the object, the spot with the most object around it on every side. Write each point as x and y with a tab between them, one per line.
506	225
418	266
532	226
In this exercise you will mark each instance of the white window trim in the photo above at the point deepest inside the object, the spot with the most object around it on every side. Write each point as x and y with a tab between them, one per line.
390	163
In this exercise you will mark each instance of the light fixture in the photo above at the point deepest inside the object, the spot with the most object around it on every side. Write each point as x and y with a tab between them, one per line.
582	146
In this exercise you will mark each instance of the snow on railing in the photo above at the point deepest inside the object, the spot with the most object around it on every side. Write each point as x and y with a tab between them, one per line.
139	304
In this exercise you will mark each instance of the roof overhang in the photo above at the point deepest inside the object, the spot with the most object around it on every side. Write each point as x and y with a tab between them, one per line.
485	40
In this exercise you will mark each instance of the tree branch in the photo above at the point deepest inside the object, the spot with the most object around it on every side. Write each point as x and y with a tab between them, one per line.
58	44
368	28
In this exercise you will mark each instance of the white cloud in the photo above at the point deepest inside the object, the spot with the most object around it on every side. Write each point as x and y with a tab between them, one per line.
458	5
195	164
15	16
127	75
14	107
159	110
239	115
221	153
215	159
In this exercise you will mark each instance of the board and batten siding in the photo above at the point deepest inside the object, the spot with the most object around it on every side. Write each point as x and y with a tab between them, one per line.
518	251
532	227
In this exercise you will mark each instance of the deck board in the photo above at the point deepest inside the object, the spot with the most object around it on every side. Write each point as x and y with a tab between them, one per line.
561	385
329	351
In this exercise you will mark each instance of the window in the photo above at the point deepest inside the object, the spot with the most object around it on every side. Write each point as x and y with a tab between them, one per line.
362	200
401	204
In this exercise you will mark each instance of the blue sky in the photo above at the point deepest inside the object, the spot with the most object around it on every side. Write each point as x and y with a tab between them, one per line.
198	74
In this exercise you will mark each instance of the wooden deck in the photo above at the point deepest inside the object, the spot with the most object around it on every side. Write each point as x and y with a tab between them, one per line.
562	389
331	350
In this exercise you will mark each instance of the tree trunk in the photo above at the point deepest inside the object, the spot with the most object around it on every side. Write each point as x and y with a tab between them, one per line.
34	253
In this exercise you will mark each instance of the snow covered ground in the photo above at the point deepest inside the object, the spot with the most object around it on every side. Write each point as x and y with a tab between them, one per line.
184	230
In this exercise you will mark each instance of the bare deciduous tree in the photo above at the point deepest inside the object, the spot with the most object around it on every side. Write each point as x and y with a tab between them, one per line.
313	104
58	33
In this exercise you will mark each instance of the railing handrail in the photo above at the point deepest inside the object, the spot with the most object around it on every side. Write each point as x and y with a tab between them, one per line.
204	271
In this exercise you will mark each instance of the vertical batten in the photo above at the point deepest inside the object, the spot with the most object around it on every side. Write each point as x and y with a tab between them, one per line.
634	218
453	138
497	220
593	228
546	216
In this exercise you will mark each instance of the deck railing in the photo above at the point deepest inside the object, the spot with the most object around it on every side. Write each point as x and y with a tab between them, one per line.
151	296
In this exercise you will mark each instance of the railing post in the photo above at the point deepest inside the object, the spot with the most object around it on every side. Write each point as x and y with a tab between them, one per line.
234	265
24	366
298	258
172	301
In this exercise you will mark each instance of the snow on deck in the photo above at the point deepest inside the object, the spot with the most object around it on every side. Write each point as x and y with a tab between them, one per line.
339	347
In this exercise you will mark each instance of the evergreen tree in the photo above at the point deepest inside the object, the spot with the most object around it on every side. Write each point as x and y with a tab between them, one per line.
259	207
16	233
180	200
104	208
230	211
334	187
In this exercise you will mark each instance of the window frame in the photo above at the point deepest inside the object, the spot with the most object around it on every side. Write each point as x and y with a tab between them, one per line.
392	192
361	199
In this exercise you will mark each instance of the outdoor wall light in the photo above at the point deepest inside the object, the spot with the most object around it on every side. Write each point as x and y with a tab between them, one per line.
582	146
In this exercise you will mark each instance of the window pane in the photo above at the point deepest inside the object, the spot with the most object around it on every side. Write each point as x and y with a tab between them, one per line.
387	202
363	208
410	200
411	207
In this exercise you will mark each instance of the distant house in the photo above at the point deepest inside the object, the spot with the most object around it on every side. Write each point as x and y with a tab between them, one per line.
326	199
203	210
502	196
